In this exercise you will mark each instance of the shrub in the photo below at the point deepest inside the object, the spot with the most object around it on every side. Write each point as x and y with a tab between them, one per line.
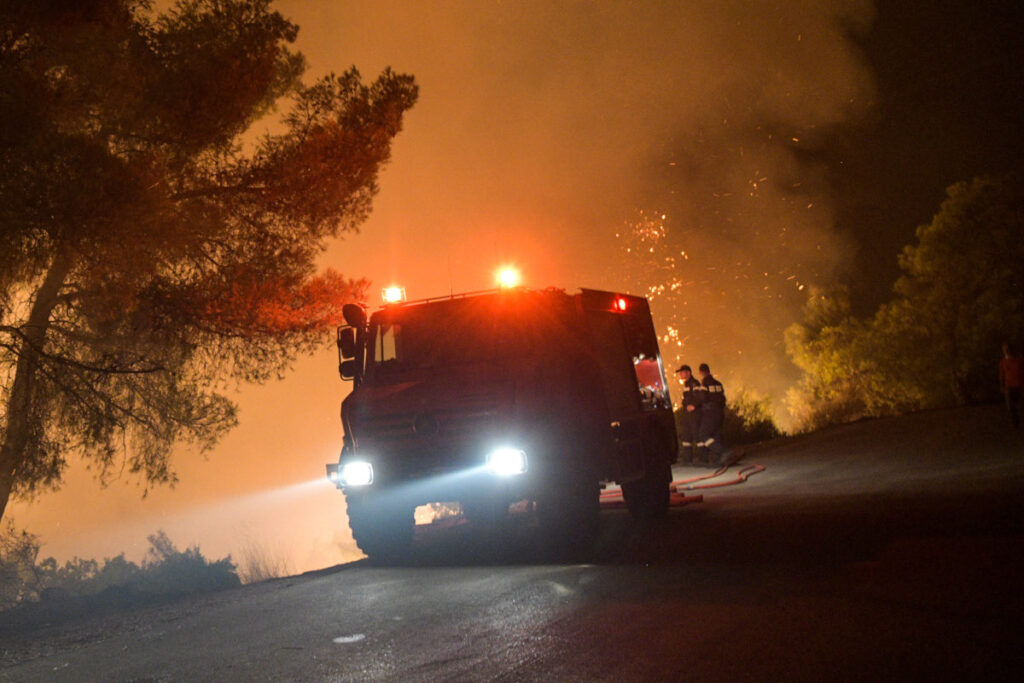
748	419
19	579
165	571
169	570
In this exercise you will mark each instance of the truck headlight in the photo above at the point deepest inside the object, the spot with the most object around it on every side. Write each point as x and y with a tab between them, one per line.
506	462
356	473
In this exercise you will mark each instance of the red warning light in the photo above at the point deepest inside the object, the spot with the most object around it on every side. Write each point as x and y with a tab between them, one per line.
620	304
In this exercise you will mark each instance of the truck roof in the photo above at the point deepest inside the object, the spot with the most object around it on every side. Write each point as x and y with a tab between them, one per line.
590	298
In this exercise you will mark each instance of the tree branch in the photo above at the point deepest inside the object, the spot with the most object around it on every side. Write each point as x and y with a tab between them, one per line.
109	369
215	191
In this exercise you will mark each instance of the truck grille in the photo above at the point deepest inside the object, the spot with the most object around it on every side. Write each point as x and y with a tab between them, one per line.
468	421
455	421
388	427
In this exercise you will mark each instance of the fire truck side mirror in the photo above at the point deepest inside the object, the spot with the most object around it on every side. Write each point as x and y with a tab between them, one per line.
347	342
347	369
354	314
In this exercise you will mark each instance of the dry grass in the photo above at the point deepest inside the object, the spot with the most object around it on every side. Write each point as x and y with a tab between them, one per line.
258	562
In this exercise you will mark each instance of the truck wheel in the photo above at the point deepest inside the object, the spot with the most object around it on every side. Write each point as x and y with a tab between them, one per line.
490	527
569	514
659	495
382	530
648	497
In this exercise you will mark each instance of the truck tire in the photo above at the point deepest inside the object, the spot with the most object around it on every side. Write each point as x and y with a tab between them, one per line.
569	514
490	527
648	497
382	530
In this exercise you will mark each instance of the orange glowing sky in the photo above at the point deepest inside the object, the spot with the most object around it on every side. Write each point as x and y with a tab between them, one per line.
541	129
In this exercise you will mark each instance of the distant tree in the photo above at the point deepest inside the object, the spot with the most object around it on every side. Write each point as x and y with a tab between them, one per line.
152	246
936	342
961	294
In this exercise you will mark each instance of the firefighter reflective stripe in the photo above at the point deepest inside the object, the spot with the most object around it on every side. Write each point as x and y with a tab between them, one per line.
714	388
706	443
686	443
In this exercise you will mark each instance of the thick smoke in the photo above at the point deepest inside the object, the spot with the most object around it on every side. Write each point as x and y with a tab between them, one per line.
546	128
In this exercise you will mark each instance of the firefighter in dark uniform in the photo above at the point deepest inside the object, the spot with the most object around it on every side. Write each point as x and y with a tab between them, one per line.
709	439
693	398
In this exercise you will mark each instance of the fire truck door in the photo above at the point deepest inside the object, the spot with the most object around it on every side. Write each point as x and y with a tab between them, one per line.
622	395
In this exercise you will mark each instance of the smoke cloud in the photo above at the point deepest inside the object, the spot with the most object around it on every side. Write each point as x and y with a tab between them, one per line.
545	128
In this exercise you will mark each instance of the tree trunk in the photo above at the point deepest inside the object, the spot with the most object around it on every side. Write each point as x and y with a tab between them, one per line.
23	388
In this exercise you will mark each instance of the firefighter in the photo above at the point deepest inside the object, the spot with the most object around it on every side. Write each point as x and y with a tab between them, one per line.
709	440
693	394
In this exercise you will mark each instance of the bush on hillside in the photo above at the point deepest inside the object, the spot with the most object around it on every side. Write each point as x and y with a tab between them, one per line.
165	571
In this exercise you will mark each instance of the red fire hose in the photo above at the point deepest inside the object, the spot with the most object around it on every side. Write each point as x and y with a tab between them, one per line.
613	498
742	475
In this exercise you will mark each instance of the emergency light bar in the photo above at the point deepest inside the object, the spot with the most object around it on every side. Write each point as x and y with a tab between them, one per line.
508	277
393	294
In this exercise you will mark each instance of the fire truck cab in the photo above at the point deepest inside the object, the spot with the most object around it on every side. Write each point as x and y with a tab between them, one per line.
499	397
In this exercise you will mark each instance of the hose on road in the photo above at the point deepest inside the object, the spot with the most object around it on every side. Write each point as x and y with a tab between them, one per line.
613	498
742	475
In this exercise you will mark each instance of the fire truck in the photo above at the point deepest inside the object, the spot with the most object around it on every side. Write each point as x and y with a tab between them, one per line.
499	398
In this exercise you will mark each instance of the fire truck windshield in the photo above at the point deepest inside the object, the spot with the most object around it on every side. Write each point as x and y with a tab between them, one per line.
444	335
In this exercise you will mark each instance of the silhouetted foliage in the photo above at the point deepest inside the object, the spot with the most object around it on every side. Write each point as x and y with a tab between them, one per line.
165	571
18	571
961	295
151	245
748	419
168	570
937	341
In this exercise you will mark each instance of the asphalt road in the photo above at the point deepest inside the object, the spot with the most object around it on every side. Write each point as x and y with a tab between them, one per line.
884	550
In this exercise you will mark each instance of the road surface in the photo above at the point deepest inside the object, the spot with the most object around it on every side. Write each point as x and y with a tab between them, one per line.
884	550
